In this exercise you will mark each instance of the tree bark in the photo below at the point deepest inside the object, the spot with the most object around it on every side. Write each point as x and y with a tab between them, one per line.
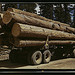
35	16
26	43
23	30
10	18
70	29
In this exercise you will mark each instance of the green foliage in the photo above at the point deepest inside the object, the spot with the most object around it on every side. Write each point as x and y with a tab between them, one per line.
7	5
62	13
28	7
46	10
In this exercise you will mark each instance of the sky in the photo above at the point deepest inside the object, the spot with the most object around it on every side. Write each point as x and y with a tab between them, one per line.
37	9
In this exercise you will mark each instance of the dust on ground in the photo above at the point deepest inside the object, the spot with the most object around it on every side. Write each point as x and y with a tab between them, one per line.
67	63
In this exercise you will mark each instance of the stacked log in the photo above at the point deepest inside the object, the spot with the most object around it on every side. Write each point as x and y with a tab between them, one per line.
27	43
22	24
10	18
23	30
35	16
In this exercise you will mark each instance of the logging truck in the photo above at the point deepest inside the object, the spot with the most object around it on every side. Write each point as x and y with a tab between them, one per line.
35	39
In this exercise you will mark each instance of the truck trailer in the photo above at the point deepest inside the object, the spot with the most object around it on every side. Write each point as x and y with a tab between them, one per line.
35	39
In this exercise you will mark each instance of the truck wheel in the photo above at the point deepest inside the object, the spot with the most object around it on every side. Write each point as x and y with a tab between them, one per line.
47	56
35	57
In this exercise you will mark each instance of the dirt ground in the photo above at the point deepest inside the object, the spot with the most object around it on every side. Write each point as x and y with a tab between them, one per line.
67	63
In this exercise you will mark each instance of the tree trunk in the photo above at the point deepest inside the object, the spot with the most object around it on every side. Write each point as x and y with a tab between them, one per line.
25	43
10	18
70	29
23	30
35	16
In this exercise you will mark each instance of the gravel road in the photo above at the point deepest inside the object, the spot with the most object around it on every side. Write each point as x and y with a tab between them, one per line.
67	63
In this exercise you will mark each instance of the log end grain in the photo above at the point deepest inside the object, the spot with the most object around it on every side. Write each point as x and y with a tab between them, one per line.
16	30
1	15
7	17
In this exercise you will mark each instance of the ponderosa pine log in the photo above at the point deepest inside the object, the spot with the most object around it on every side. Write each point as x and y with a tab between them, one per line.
25	43
35	15
1	15
10	18
70	29
23	30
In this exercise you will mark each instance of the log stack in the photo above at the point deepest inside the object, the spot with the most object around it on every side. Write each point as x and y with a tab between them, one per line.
25	26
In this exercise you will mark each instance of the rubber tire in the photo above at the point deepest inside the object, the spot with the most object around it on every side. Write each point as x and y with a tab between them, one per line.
46	60
32	57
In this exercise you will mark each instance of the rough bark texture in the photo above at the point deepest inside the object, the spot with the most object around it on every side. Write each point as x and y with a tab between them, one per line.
70	29
35	15
11	17
23	30
22	43
25	43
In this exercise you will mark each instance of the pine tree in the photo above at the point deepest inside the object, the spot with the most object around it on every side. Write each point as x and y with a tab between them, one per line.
59	13
28	7
46	10
74	17
62	13
7	5
67	18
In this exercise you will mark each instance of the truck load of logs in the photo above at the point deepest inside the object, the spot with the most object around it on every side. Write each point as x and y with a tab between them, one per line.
10	18
27	43
20	24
